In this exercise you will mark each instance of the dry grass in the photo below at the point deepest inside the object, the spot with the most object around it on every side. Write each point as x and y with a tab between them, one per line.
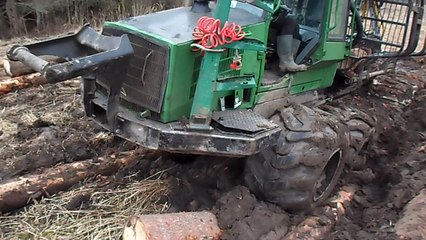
103	218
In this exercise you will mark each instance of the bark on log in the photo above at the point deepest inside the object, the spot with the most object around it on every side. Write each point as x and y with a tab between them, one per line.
320	227
16	69
31	80
412	224
18	192
177	226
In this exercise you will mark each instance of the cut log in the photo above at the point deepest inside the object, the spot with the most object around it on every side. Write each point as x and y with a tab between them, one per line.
176	226
320	227
16	69
412	224
18	192
31	80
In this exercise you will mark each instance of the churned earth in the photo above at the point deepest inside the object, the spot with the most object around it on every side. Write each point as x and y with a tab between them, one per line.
46	126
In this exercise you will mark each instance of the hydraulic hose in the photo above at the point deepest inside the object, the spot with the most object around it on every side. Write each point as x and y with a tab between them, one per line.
358	24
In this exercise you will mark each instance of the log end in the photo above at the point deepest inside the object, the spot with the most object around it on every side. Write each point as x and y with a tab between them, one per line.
6	66
178	226
134	230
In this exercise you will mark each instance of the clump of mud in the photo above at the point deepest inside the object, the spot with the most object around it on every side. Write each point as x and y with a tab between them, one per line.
214	183
242	216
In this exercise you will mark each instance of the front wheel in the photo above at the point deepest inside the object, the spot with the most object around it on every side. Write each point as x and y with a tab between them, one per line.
302	169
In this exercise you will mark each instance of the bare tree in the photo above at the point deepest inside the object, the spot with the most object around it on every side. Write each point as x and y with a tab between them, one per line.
22	16
4	23
16	20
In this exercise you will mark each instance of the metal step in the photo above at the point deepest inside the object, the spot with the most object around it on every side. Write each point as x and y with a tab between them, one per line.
242	120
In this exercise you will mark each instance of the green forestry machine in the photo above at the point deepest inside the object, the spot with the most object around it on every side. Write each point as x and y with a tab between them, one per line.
207	80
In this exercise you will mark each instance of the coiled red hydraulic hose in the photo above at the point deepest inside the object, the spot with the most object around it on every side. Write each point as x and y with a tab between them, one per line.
210	34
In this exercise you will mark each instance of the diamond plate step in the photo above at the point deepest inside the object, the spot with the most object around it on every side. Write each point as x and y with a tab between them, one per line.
243	120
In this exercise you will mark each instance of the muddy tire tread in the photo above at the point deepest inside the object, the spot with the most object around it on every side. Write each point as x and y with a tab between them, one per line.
361	130
286	173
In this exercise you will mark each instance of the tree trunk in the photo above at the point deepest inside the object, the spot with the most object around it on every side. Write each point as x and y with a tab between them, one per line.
16	69
16	21
4	26
16	193
39	20
21	82
188	3
177	226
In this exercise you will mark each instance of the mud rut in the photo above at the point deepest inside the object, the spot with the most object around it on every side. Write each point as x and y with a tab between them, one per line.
46	126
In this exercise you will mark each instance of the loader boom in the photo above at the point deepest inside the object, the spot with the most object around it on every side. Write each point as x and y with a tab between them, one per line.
84	51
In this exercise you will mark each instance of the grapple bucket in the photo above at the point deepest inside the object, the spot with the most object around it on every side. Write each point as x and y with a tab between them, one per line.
84	53
391	28
382	31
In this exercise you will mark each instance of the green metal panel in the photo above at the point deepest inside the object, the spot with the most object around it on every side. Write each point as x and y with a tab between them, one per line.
268	5
321	74
184	71
180	84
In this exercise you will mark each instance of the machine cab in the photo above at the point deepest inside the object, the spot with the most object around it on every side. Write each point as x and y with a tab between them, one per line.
317	22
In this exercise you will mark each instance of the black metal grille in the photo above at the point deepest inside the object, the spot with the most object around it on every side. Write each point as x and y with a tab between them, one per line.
146	77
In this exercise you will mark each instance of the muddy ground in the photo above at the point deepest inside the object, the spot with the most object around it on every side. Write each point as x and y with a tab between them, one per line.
46	126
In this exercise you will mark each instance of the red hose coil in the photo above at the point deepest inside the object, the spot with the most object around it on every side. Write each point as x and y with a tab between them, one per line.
210	34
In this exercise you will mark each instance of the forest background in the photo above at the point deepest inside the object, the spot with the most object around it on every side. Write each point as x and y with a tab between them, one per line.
34	17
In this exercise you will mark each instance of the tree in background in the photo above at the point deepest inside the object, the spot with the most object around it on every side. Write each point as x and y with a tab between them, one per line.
19	17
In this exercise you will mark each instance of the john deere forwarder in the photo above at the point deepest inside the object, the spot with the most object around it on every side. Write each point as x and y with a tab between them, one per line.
148	80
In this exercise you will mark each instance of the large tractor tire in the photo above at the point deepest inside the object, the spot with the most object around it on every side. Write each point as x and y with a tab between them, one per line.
362	129
302	169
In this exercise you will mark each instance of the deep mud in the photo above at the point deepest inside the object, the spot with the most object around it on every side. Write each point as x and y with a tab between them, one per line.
45	126
396	166
395	171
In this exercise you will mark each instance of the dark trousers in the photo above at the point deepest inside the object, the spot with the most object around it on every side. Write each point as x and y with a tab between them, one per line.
287	25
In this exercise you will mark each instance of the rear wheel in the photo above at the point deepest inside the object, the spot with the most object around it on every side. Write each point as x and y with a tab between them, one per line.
301	170
361	128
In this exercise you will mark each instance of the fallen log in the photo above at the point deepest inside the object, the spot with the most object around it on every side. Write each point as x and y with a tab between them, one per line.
18	192
16	69
31	80
177	226
412	224
320	227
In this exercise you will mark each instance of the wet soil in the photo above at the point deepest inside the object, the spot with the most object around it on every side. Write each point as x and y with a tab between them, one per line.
45	126
395	171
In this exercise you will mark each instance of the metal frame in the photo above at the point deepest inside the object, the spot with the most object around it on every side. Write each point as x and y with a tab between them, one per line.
175	137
